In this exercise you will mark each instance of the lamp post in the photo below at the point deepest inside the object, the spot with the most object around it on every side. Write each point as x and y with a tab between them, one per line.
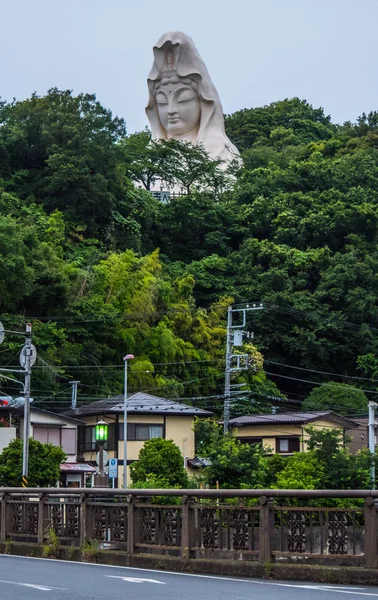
125	359
101	438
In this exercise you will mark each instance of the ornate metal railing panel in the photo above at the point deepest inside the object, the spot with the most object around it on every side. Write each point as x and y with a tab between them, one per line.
157	526
107	522
63	515
318	531
21	518
226	530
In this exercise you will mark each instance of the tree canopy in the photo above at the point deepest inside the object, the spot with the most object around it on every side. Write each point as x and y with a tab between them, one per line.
44	464
339	397
101	267
159	459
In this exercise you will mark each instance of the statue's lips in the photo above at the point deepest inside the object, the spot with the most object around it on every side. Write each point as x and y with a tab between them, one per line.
173	120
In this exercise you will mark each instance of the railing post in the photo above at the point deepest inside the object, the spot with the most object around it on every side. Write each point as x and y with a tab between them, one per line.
83	519
370	542
3	533
41	518
185	527
266	514
131	514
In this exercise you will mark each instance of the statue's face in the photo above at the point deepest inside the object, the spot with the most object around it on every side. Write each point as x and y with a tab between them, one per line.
179	108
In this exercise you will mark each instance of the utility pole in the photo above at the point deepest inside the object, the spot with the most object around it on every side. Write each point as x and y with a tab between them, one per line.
372	406
236	339
125	360
27	358
227	377
74	393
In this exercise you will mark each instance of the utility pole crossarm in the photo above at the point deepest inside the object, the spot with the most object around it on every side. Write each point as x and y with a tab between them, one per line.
229	356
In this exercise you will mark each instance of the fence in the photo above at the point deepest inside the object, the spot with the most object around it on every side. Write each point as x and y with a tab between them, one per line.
255	525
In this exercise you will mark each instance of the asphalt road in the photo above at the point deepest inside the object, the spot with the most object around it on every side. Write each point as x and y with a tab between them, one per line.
32	579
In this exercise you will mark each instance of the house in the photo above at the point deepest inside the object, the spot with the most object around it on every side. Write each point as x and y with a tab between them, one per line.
148	417
359	436
59	430
285	433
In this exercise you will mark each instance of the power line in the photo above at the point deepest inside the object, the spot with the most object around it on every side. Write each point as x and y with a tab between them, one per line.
272	362
335	385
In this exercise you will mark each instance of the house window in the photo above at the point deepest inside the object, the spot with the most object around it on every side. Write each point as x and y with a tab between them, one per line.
251	440
69	440
141	432
287	445
47	435
87	438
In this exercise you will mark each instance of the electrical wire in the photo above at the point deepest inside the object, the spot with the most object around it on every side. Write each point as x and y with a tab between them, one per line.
334	385
273	362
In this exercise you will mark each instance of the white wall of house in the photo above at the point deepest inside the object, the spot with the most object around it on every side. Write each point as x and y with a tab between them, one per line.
7	434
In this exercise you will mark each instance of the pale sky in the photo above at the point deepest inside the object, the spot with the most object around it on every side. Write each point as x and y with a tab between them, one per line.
257	51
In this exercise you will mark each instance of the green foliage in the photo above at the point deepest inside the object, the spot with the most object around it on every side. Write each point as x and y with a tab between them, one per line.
44	464
232	463
89	551
159	461
327	464
303	471
295	227
51	548
236	465
341	398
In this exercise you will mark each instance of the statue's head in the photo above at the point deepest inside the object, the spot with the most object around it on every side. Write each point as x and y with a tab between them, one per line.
178	104
183	99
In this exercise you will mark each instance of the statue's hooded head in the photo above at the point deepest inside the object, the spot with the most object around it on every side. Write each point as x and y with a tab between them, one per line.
183	101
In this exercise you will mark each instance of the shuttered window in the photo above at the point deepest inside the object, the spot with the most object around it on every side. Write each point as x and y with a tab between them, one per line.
40	434
69	440
47	435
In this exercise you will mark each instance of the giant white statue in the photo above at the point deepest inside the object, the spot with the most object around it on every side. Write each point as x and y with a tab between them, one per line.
183	102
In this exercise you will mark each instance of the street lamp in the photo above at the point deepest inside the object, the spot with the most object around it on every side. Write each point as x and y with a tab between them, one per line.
125	360
101	434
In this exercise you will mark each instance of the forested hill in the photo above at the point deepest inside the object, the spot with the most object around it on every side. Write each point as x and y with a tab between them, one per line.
101	267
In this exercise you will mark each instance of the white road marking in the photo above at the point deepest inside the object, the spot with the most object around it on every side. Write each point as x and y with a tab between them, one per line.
42	588
136	579
322	587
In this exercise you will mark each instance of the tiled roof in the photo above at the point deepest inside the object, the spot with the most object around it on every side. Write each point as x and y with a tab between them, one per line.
292	418
140	403
76	468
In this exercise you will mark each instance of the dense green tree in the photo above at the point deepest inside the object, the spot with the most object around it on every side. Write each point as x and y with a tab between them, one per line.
339	397
159	458
44	464
327	464
232	463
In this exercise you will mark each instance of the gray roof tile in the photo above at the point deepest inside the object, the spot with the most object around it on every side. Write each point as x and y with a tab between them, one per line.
139	402
293	418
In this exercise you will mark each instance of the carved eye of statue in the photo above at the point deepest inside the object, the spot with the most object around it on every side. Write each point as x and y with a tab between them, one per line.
186	95
161	98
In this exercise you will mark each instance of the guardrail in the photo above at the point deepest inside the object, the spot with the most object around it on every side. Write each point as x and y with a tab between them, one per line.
257	525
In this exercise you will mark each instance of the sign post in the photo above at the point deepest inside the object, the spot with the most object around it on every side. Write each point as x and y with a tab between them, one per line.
113	470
